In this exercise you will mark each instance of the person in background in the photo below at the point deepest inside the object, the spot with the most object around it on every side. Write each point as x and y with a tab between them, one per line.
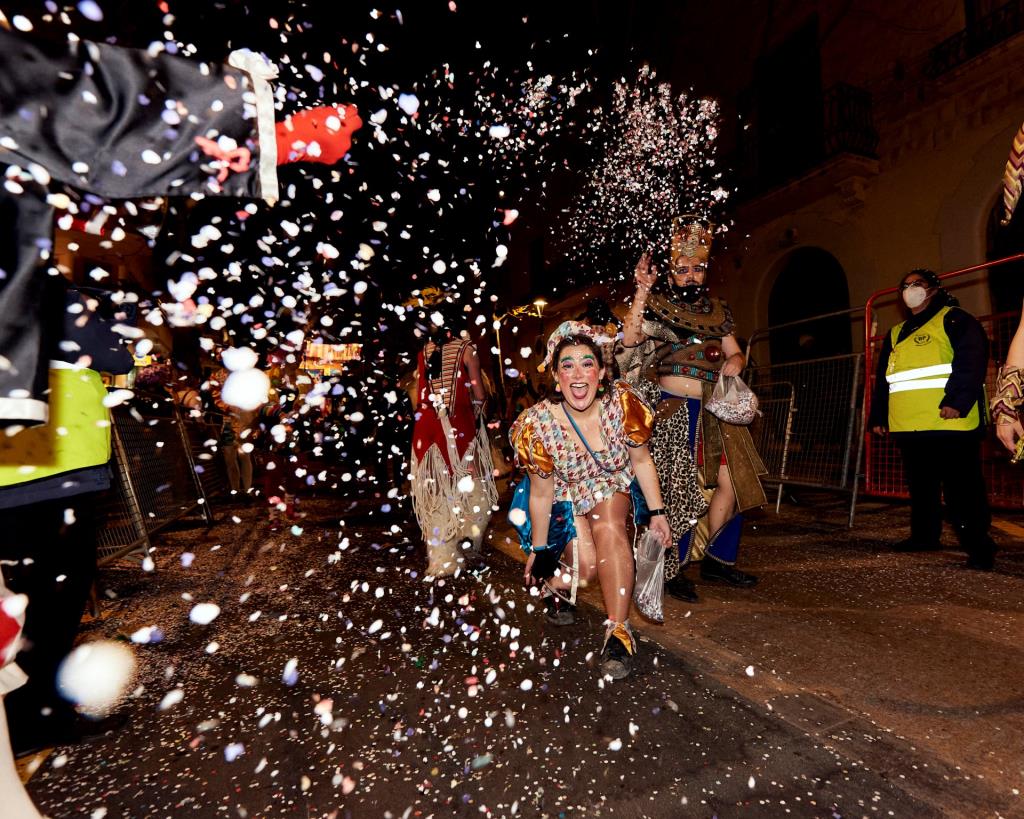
234	439
452	488
393	435
677	343
928	397
275	432
50	477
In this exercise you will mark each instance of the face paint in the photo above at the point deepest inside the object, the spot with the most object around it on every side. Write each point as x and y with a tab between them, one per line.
579	375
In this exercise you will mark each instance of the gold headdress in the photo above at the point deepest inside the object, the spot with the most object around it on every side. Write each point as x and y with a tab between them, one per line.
428	297
691	237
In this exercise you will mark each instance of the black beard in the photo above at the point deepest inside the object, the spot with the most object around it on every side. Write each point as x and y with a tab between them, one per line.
691	293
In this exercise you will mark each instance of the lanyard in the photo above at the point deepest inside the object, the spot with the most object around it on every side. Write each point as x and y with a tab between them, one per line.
585	444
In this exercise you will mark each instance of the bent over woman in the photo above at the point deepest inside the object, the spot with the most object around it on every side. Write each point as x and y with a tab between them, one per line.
582	450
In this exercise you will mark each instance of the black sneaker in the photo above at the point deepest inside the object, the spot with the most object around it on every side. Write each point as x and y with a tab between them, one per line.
682	588
558	612
714	571
616	661
982	561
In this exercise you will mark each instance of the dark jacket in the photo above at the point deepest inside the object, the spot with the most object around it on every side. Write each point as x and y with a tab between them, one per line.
75	332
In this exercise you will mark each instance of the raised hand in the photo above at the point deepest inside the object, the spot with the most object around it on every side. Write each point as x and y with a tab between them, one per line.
646	274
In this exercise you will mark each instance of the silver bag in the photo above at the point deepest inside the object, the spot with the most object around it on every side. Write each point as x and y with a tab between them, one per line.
649	589
733	401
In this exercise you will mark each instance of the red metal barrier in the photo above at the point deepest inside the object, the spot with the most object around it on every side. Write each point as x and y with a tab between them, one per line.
883	468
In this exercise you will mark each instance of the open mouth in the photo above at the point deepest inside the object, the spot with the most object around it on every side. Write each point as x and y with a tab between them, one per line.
579	392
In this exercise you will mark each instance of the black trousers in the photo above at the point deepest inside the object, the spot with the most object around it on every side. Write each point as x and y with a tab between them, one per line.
947	466
110	121
49	553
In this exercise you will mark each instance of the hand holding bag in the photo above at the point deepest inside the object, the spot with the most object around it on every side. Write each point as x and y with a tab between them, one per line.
649	589
733	401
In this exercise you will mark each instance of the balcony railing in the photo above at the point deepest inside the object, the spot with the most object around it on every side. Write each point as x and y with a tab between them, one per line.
773	152
979	36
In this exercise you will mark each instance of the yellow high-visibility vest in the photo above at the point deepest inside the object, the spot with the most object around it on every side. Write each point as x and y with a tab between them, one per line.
918	369
76	436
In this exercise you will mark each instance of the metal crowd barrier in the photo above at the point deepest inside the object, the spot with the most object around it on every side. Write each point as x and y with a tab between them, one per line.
808	433
163	470
883	472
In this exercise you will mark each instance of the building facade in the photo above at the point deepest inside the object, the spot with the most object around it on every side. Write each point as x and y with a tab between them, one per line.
871	138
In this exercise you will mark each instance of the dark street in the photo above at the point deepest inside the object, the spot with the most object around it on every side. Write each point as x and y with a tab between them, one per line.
337	682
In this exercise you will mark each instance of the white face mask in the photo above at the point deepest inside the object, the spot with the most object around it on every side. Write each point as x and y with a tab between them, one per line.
915	296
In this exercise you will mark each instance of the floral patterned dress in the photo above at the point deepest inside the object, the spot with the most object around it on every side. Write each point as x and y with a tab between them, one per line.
545	446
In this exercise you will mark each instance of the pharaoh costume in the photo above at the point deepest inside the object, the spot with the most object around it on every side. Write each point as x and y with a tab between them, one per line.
121	123
688	445
453	489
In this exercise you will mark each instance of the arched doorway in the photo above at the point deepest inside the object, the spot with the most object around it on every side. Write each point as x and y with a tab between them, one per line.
811	283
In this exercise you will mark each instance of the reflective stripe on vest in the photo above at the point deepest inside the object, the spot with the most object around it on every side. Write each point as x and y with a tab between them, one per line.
918	371
77	434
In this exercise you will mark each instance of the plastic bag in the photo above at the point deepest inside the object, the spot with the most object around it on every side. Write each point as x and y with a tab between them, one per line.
649	589
733	401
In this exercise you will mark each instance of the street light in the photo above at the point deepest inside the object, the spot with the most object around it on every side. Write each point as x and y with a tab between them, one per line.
535	308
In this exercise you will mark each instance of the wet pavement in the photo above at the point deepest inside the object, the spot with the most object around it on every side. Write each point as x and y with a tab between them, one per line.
337	681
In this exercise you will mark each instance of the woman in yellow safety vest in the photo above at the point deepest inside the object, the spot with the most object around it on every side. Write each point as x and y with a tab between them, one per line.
927	395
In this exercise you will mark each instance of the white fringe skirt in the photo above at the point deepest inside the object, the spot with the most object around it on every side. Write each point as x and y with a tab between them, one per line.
453	506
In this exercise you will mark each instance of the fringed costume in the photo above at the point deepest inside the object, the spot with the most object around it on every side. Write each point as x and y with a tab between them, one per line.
453	489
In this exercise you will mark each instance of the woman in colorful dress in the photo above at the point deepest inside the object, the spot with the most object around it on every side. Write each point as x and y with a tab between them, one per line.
582	450
452	487
678	340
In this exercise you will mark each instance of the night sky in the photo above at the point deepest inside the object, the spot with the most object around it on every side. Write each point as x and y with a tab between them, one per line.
436	192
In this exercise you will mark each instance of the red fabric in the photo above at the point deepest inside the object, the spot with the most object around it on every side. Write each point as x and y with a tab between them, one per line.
428	430
311	125
9	630
700	457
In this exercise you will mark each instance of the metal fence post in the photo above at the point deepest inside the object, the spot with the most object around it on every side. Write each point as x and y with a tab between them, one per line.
186	446
130	497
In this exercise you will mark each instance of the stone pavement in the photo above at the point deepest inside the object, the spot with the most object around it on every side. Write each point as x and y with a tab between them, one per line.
909	664
336	682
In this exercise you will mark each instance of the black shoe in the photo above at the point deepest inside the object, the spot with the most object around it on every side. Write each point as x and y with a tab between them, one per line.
910	545
558	612
982	562
616	661
682	588
714	571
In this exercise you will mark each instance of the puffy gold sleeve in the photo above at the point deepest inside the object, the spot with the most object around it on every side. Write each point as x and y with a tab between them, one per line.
637	416
531	454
